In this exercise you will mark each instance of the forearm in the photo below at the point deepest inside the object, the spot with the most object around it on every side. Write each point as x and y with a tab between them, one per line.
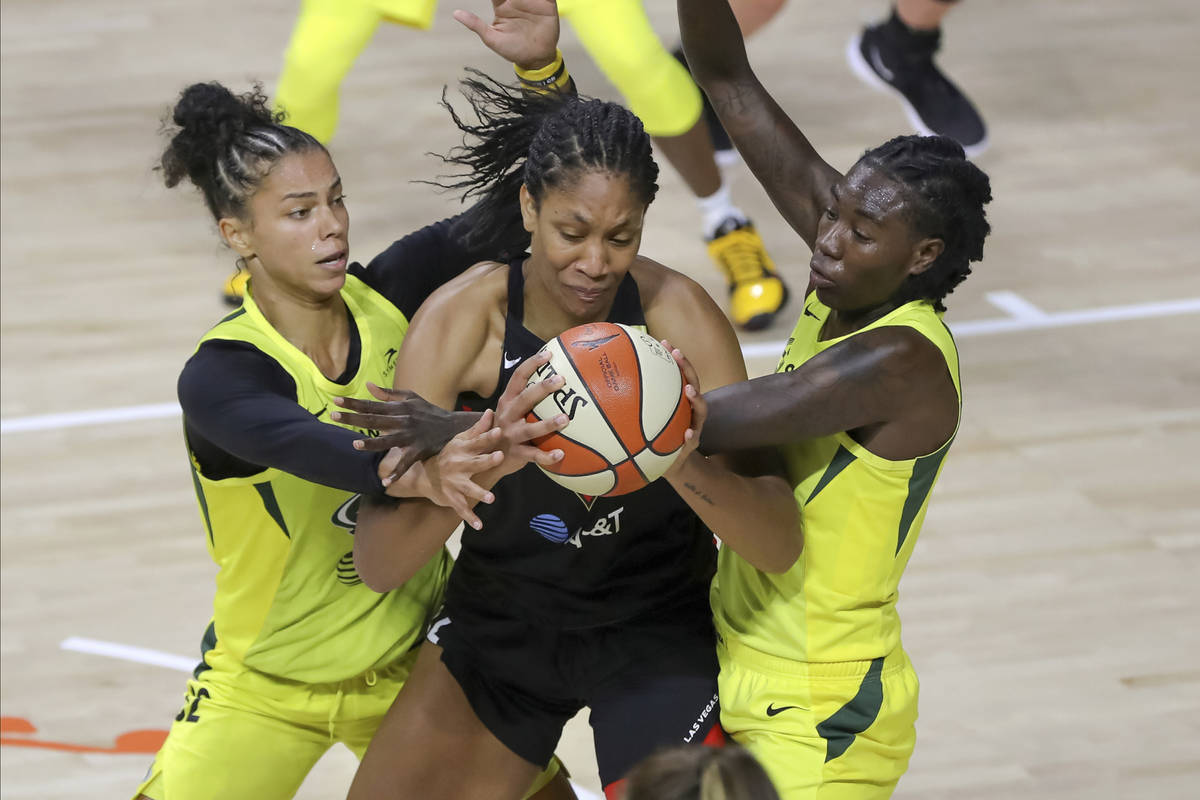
755	516
755	413
712	42
861	381
795	177
395	538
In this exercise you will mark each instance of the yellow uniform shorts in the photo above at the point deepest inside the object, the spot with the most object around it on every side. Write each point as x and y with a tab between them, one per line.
836	731
245	735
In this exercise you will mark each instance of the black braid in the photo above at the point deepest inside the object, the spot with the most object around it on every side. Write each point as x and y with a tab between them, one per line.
948	194
226	144
541	141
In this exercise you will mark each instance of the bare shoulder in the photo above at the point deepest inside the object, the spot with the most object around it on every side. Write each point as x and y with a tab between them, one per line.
666	291
902	350
479	286
448	345
678	309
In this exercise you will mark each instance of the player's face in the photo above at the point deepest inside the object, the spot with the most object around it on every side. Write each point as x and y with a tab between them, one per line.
585	237
300	229
865	245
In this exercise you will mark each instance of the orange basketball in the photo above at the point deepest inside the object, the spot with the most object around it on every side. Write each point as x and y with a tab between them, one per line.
624	397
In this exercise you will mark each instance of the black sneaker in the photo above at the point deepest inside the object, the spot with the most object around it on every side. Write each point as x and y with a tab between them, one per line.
723	149
894	58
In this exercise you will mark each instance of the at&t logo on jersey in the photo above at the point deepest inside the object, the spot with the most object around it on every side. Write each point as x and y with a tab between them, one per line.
346	517
553	528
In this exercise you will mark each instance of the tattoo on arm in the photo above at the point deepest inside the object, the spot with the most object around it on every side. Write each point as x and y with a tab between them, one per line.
698	492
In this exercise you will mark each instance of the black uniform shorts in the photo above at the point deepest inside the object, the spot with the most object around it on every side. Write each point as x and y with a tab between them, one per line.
650	682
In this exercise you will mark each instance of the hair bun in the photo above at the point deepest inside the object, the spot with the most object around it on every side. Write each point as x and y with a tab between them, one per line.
207	118
204	109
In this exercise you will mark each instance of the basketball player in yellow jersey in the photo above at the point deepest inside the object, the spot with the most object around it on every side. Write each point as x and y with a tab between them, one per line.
814	680
300	654
329	35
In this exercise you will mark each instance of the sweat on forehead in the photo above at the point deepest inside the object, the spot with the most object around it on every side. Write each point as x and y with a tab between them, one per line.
872	191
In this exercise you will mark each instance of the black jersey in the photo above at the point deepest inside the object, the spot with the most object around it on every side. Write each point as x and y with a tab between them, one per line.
569	561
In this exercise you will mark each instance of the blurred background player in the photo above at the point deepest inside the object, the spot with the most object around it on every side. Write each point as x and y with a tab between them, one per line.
330	34
328	37
699	773
896	56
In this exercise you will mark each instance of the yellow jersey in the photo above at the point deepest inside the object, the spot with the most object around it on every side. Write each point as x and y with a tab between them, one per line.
861	515
288	600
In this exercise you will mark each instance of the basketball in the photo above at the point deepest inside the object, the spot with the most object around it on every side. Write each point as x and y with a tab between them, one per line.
624	398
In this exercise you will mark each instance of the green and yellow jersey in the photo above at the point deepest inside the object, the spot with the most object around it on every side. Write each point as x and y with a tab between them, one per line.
861	515
288	601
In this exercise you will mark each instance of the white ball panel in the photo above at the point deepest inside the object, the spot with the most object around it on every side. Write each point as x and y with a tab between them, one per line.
661	382
587	424
652	464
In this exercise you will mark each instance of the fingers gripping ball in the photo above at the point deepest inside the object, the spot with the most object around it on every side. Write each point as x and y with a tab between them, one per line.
623	395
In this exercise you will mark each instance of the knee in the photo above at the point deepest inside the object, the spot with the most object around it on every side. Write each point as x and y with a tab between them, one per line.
660	91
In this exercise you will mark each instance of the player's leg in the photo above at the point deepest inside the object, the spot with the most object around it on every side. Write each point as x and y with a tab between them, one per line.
326	41
833	732
239	736
658	689
433	745
413	13
896	56
365	707
633	721
619	38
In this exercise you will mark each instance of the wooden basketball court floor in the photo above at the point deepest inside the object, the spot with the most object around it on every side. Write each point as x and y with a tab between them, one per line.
1051	605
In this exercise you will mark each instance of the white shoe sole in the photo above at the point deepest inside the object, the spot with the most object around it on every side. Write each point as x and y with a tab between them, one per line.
862	70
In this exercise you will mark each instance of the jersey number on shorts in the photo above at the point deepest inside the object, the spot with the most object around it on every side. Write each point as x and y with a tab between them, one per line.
190	712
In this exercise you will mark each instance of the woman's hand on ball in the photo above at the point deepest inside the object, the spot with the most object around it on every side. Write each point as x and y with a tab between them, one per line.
512	411
691	437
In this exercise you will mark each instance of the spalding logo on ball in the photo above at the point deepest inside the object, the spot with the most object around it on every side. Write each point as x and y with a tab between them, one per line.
624	397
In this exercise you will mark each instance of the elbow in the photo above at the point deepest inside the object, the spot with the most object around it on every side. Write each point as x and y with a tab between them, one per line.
377	572
375	579
785	556
779	563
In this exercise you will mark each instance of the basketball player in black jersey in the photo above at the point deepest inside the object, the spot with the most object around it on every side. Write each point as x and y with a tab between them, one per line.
608	606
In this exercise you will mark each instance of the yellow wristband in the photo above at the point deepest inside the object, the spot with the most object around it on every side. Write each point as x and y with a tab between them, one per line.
542	73
552	77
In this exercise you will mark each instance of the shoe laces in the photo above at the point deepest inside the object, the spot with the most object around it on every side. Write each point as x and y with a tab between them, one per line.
743	257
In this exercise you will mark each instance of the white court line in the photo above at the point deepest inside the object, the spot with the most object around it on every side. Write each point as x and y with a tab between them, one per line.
1025	317
157	658
1056	319
97	416
141	655
1016	306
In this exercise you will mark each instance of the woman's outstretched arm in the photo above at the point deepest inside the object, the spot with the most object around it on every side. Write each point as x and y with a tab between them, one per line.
796	178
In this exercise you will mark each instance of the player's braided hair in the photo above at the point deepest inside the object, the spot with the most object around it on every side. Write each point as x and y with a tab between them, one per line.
226	144
541	141
947	194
